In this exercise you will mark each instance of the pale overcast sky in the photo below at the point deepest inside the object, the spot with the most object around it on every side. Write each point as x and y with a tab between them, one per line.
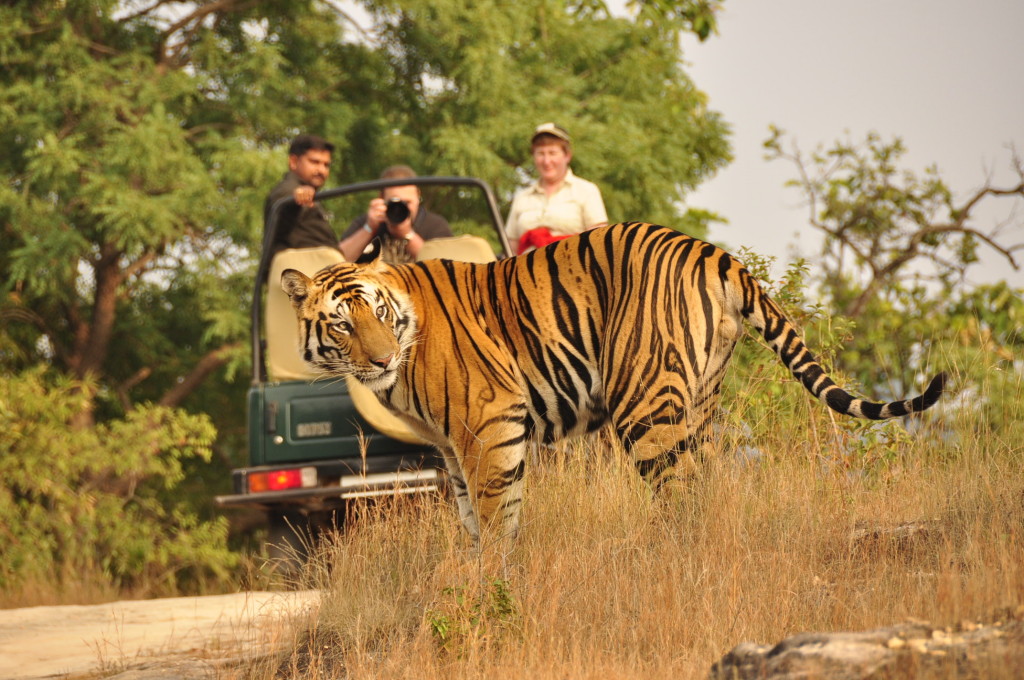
945	75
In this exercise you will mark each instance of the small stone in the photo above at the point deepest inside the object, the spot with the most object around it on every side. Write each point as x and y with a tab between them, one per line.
919	646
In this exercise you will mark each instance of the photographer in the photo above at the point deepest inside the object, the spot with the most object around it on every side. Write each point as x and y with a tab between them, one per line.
397	220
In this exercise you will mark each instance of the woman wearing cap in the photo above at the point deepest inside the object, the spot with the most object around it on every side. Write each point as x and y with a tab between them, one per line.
559	204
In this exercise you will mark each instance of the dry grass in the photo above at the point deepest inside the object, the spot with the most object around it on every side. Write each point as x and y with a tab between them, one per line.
606	581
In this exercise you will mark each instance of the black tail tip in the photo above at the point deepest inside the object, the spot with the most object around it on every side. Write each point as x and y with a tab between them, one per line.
934	389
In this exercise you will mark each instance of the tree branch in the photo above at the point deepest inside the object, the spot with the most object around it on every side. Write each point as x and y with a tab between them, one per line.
104	311
28	316
348	17
1005	251
202	370
140	264
143	12
124	388
191	25
888	224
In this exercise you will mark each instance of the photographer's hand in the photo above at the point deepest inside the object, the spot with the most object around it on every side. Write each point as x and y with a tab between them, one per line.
376	214
401	230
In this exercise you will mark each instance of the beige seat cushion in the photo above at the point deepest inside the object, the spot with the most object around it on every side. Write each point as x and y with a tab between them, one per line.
282	330
465	248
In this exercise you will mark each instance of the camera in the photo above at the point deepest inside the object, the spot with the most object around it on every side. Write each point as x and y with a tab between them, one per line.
396	211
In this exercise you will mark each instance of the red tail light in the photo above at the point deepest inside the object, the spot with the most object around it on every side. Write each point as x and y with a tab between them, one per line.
282	480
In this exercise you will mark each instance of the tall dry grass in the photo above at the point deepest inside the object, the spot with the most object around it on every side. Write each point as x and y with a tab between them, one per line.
608	581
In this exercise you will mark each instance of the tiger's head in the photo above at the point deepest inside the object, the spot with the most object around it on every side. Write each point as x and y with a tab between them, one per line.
351	323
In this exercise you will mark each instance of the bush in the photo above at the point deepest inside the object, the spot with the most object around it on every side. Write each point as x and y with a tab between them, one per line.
97	504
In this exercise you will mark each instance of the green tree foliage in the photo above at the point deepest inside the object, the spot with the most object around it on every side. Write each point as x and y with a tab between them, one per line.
128	189
463	85
70	511
142	136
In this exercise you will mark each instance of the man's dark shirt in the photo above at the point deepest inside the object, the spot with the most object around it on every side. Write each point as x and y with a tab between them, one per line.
427	224
298	227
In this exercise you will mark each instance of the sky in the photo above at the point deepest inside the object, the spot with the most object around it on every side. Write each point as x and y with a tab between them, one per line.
947	76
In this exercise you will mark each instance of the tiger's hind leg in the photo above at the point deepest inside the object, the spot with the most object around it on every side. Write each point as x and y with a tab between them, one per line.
665	453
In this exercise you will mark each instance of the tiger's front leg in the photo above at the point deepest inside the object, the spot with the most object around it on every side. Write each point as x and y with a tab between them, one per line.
492	468
467	514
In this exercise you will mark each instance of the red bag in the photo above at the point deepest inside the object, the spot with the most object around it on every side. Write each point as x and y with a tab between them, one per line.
537	238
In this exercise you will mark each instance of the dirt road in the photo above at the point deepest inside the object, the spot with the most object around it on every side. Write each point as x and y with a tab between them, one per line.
41	642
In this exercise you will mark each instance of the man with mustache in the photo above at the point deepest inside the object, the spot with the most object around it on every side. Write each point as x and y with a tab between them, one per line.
305	224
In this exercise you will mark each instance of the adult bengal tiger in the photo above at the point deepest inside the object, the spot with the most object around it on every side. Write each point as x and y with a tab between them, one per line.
632	324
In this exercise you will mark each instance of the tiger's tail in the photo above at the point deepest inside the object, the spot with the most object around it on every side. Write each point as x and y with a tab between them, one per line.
778	331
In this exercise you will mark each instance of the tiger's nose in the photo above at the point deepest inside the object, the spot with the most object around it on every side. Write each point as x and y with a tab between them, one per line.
383	362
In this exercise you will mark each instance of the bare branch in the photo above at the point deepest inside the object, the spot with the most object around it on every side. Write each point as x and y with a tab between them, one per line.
963	214
200	13
202	370
1005	251
124	388
349	19
146	10
193	23
140	264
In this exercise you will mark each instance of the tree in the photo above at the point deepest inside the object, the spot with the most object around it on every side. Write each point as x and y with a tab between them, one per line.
896	250
137	153
468	82
887	220
73	515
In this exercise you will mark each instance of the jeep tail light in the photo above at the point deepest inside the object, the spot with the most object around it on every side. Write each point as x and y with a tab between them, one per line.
282	480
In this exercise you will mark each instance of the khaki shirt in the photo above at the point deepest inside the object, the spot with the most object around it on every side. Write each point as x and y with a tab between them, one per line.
575	207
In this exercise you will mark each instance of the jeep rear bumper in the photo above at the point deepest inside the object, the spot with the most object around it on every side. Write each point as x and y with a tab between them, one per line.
332	490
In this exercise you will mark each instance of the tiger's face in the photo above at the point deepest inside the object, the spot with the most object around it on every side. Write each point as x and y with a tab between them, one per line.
350	323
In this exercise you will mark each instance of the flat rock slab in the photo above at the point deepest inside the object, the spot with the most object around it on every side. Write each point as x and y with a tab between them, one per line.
41	642
913	649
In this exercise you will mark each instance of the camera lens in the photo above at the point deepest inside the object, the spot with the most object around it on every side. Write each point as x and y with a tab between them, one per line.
396	210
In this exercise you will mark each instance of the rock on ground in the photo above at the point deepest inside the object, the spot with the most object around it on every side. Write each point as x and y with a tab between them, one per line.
908	650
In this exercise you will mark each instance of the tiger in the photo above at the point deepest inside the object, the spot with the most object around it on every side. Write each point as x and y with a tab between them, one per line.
631	324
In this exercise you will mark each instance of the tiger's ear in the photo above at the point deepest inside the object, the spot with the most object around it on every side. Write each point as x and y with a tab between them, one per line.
296	285
372	251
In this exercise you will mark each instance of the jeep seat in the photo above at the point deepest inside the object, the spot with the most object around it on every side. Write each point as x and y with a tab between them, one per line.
464	248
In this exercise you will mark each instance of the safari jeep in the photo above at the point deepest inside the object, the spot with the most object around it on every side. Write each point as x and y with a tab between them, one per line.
314	445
